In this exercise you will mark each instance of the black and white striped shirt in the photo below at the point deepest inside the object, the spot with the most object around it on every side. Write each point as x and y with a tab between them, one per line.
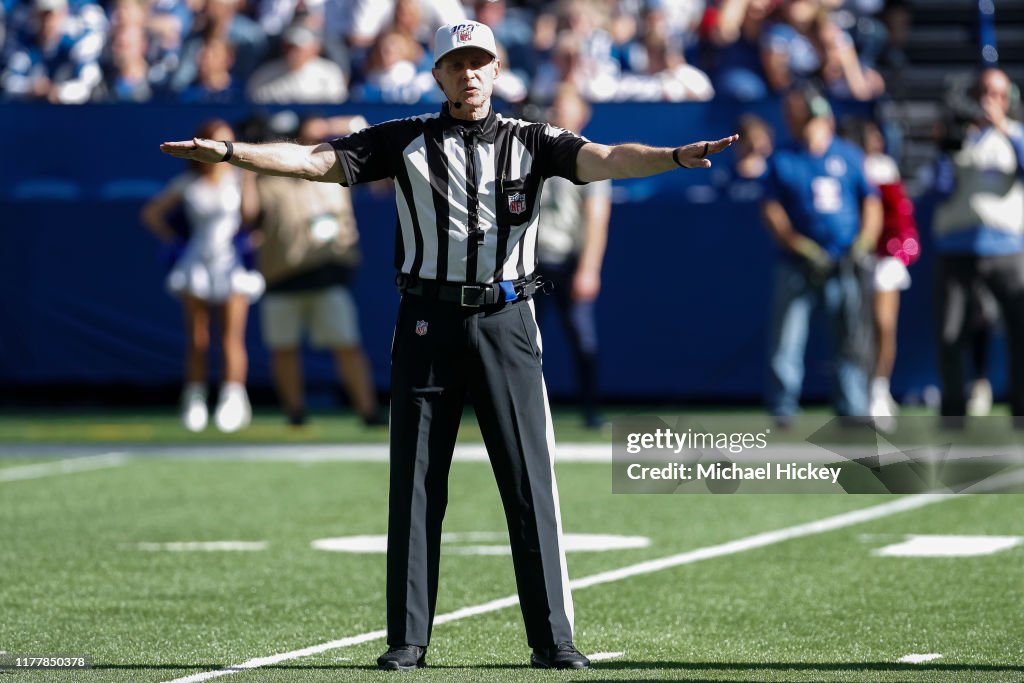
467	192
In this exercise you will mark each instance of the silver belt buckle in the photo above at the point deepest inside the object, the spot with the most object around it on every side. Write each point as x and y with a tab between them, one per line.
462	298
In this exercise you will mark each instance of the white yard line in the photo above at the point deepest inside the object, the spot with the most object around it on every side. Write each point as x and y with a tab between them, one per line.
730	548
566	452
368	452
765	539
602	656
67	466
201	546
919	659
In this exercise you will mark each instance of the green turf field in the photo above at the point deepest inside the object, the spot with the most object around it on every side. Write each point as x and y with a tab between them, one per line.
154	425
268	426
819	606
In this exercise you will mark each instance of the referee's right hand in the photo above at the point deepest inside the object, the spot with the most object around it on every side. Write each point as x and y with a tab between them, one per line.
196	149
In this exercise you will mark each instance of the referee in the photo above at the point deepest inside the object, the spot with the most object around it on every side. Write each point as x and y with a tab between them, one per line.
468	183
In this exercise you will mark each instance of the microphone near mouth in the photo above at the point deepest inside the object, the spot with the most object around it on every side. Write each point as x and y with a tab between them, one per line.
454	103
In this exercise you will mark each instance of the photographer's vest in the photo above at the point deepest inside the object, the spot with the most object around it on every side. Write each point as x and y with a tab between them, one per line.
305	225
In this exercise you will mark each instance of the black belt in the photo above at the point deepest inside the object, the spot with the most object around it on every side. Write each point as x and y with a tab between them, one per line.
470	295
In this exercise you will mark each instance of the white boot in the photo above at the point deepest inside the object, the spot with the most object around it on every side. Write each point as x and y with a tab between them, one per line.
980	400
194	413
233	409
882	403
883	408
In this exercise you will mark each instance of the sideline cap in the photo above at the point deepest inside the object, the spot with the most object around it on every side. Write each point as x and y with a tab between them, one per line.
49	5
451	37
299	35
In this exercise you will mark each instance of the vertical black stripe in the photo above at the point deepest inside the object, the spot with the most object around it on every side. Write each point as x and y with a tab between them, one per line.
402	178
399	244
520	268
533	189
502	171
473	207
437	166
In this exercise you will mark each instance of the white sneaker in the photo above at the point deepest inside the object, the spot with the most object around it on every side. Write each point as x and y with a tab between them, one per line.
883	408
233	409
980	400
880	407
194	413
882	402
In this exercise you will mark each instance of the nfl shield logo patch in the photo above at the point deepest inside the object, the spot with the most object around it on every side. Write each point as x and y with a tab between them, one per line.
517	203
464	32
421	327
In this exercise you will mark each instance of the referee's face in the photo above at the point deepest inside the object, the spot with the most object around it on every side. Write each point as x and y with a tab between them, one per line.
467	76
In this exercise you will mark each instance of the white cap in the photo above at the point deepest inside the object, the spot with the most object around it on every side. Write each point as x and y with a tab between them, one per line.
299	35
451	37
49	5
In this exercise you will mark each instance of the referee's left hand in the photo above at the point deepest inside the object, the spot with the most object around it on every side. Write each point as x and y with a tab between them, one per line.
694	155
196	149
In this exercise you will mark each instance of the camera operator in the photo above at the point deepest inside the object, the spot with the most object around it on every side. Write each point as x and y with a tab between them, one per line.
979	238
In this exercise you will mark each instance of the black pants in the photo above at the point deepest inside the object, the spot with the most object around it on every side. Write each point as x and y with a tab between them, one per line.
441	352
580	327
956	277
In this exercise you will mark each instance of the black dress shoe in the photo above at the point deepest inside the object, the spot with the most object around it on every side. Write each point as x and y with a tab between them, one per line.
561	656
380	418
403	658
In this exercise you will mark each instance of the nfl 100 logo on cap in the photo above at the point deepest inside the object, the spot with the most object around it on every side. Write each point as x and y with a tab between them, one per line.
517	203
421	327
452	37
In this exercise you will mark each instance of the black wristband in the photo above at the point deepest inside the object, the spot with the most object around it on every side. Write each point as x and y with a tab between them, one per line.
231	150
675	157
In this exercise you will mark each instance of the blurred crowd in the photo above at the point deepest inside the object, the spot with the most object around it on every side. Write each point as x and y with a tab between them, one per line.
327	51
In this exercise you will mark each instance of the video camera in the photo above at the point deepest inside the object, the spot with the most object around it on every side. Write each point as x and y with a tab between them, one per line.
960	110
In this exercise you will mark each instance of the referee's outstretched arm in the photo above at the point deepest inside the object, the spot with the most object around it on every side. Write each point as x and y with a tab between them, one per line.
320	162
600	162
311	162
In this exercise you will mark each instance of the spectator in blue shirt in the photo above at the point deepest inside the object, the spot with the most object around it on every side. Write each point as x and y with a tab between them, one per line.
126	77
825	215
788	51
214	83
3	27
78	17
390	71
167	24
221	18
742	182
59	63
736	36
512	31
